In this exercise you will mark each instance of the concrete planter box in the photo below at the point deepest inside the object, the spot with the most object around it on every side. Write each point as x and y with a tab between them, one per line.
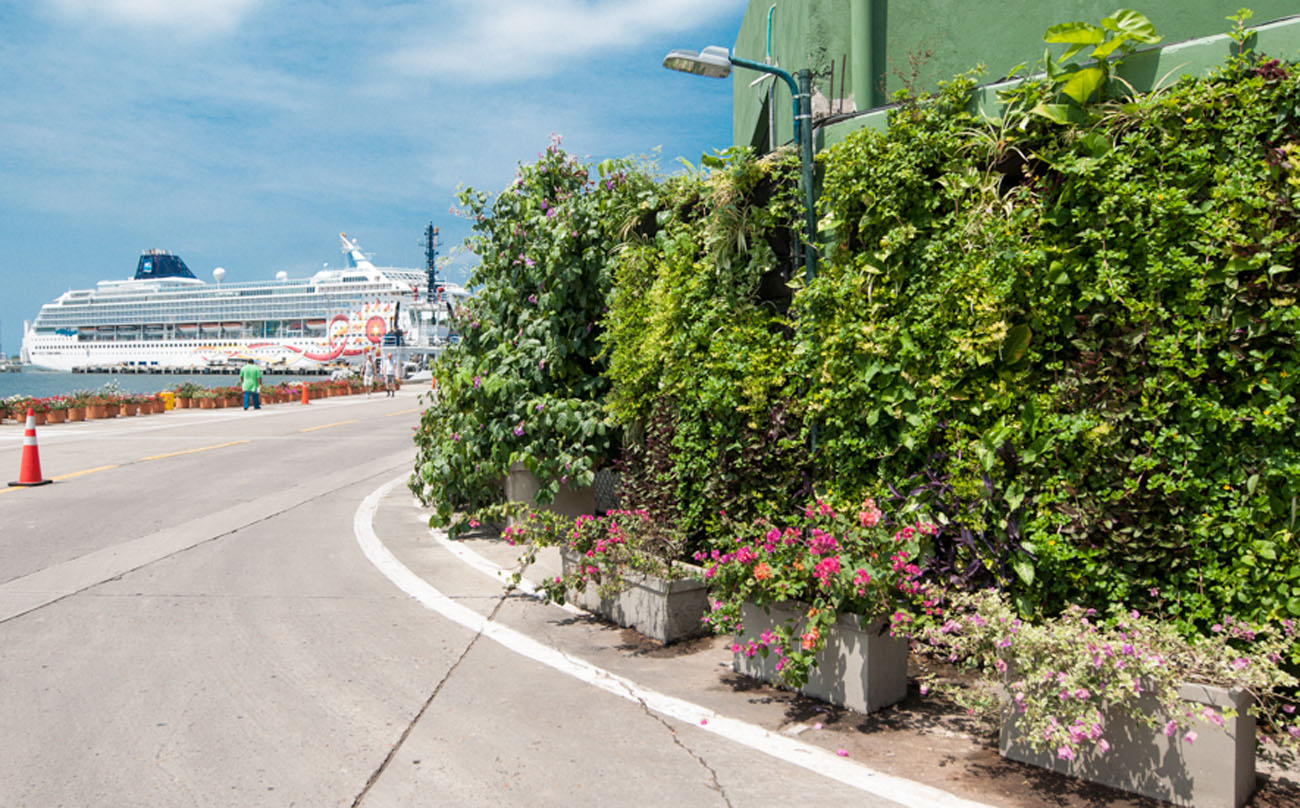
664	610
861	667
522	486
1217	771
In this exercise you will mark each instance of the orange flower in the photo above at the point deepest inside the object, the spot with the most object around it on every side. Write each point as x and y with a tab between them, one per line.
810	639
762	571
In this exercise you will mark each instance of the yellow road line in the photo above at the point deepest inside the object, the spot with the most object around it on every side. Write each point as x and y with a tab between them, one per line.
192	451
327	426
79	473
403	412
61	477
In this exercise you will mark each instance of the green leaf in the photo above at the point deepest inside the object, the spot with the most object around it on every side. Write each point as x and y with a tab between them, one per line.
1076	33
1060	113
1132	24
1016	344
1083	83
1024	570
1095	144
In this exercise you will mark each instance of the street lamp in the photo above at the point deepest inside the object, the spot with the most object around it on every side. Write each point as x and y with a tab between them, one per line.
715	62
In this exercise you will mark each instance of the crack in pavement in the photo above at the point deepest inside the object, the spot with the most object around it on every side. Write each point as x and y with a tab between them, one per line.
715	784
410	727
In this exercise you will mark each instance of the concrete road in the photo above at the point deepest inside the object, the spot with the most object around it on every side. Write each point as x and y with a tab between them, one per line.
187	617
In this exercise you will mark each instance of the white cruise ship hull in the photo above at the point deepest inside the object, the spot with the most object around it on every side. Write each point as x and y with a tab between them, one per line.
167	319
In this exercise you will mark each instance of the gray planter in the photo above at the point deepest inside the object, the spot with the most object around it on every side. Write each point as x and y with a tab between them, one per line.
665	610
521	485
1217	771
861	667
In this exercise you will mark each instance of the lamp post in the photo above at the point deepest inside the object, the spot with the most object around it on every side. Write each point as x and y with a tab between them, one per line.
715	62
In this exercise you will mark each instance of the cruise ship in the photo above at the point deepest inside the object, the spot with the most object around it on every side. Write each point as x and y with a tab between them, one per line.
165	318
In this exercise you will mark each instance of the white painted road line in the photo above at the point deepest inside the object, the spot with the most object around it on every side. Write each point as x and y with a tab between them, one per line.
789	750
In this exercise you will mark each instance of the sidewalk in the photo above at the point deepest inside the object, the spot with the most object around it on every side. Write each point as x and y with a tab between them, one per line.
925	743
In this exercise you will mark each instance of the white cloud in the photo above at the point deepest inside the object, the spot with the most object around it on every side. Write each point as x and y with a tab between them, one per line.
500	39
190	16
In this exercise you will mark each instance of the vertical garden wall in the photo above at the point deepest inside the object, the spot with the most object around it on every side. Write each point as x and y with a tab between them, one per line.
1066	337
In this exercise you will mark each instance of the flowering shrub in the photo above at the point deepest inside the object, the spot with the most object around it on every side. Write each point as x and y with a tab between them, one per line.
608	547
829	561
526	382
1061	676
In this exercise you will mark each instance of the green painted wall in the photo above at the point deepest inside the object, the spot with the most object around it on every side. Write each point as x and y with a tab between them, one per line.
918	43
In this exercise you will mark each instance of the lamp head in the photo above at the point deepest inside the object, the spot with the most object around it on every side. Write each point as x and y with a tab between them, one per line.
713	61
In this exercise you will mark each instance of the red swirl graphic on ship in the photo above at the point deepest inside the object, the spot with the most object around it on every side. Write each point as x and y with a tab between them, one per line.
338	337
375	329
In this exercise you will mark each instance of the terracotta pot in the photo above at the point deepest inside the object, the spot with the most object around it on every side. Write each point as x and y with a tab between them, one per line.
76	414
56	416
94	411
39	416
207	403
184	403
111	410
128	410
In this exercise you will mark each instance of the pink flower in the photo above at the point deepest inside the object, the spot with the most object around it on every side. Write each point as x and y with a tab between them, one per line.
1102	746
1190	737
870	515
827	568
822	543
1171	728
1240	662
842	752
1065	753
704	722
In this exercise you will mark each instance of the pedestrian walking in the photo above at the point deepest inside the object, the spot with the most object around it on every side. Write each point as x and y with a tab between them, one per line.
250	376
390	375
368	374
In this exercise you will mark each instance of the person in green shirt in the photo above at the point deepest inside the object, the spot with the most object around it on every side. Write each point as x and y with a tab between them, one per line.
250	375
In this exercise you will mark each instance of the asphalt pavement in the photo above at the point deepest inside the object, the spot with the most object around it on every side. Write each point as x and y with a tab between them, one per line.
226	608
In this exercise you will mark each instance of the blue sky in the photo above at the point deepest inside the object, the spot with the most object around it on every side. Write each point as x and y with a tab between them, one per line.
247	134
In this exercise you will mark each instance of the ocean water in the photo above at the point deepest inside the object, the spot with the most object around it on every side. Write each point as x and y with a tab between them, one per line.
41	383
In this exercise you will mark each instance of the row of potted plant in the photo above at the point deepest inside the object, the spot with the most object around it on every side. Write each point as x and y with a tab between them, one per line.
190	395
831	602
80	406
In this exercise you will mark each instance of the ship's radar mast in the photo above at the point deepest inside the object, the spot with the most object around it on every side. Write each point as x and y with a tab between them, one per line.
431	261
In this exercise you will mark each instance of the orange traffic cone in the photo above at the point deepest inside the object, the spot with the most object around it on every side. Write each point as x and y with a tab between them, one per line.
304	393
30	471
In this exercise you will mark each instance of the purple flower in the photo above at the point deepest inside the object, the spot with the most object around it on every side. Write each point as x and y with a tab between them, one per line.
519	430
478	380
532	299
